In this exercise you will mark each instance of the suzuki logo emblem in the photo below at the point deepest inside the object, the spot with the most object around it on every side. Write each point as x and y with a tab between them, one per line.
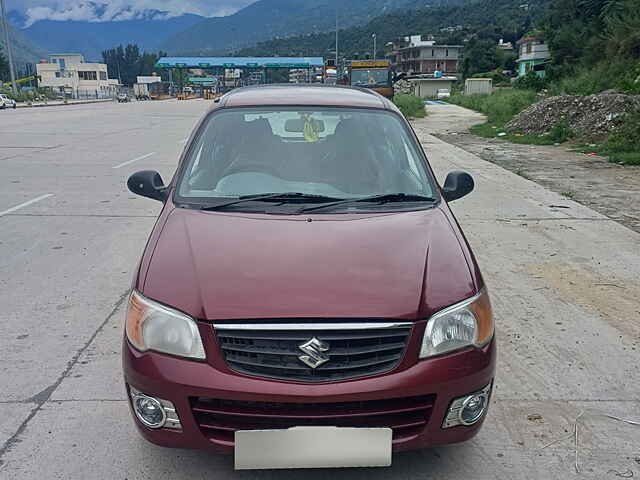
314	349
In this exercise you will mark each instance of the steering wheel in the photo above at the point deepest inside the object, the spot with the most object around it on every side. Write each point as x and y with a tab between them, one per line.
253	167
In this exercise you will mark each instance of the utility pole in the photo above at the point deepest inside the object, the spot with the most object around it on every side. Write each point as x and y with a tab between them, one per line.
375	50
7	45
119	76
337	70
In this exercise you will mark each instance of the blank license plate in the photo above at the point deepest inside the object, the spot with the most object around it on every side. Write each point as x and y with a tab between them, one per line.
313	447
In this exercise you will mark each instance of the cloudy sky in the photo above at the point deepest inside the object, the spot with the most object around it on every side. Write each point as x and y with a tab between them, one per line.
119	9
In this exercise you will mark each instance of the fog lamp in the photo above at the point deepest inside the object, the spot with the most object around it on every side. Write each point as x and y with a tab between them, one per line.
154	412
468	410
473	408
149	411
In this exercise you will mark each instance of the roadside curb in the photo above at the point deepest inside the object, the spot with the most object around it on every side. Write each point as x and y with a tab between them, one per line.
66	104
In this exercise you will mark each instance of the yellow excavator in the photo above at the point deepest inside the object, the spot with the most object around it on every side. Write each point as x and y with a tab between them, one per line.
20	81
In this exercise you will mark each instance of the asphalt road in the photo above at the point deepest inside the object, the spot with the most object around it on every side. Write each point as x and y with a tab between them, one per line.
565	283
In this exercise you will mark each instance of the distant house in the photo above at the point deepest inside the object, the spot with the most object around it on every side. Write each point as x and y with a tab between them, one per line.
533	55
71	76
419	54
502	45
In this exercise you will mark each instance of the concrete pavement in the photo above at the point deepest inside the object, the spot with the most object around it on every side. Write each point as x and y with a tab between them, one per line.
564	282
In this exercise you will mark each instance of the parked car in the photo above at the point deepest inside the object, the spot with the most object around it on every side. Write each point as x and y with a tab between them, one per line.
443	93
123	98
307	298
6	102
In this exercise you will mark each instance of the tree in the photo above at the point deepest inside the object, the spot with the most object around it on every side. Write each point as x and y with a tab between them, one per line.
479	56
127	63
4	68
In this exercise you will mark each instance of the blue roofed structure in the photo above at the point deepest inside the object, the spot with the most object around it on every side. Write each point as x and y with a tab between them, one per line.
240	62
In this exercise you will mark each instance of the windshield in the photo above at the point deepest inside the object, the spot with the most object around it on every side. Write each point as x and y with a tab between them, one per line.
336	153
370	77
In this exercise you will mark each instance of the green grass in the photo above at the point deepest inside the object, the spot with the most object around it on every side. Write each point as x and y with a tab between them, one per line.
500	107
622	146
605	150
625	158
488	130
410	105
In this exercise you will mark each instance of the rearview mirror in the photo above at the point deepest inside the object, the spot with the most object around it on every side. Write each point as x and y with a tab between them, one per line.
457	185
296	125
148	183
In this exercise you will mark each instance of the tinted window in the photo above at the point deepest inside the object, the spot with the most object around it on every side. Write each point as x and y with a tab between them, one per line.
339	153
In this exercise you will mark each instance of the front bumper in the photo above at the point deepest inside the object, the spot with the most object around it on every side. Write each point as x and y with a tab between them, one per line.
183	382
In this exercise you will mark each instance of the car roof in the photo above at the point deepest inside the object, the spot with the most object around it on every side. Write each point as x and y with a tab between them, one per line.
313	94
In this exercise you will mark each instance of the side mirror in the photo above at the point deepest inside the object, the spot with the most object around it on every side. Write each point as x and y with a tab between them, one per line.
457	185
148	183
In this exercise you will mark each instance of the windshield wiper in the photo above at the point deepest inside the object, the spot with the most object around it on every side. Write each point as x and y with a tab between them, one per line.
383	198
268	196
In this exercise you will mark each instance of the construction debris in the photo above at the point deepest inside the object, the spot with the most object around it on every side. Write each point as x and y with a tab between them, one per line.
403	87
585	116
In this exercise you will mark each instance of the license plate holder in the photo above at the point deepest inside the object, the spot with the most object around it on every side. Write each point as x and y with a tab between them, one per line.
313	447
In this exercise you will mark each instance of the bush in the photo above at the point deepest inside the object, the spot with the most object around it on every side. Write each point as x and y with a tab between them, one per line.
410	105
622	76
561	132
27	95
500	106
531	81
626	158
625	139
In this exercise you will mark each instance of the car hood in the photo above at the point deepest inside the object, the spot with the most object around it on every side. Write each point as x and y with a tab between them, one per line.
215	265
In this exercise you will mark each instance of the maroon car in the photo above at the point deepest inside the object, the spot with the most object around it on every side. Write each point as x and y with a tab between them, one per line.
306	298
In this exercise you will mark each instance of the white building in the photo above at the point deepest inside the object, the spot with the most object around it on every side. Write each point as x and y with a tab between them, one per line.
69	74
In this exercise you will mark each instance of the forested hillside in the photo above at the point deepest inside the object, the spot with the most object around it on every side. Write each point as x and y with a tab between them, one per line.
91	38
267	19
24	50
595	45
484	22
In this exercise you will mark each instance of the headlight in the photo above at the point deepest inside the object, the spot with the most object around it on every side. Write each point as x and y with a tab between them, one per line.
151	326
465	324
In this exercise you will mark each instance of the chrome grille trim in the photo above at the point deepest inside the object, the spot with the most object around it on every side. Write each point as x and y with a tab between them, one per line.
311	326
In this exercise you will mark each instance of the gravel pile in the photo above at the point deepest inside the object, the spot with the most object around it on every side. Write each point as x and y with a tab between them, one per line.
403	86
590	115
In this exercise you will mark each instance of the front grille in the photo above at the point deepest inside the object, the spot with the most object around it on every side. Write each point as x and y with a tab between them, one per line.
220	419
354	350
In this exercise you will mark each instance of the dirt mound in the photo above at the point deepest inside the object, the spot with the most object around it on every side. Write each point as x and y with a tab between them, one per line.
590	115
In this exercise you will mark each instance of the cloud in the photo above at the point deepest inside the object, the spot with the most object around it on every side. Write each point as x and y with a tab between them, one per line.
116	10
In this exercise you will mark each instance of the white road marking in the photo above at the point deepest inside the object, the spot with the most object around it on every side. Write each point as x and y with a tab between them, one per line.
184	140
26	204
135	160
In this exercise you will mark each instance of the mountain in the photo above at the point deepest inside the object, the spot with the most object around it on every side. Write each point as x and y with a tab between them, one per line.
147	29
23	49
267	19
492	19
